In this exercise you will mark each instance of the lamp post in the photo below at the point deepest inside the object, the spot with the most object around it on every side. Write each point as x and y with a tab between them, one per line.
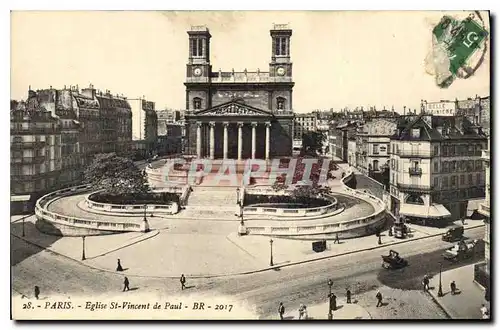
23	225
238	195
145	208
83	247
330	315
271	244
440	289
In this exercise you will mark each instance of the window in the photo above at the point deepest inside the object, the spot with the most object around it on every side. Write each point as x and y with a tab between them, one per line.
414	199
383	148
453	181
415	133
445	182
436	182
375	165
436	150
470	165
478	178
462	179
470	179
462	166
280	102
392	164
453	166
436	167
479	165
445	167
375	149
445	151
197	103
196	47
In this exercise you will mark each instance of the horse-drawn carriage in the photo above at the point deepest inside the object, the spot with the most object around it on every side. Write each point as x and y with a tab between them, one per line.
393	261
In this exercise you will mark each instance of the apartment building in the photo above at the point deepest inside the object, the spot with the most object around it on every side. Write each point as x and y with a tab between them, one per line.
35	153
373	141
144	123
436	167
304	122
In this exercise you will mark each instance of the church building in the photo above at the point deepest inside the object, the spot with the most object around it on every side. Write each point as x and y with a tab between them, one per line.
239	115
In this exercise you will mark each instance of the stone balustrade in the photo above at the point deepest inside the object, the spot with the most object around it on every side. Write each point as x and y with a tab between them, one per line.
55	218
350	225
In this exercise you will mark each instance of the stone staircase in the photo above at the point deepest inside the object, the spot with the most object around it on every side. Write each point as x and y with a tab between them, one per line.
211	202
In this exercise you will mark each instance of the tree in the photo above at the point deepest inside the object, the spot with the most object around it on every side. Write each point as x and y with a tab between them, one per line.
116	175
13	104
312	143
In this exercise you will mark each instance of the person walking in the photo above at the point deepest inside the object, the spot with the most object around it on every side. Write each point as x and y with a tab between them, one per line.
379	299
183	282
333	302
126	284
485	314
453	288
336	239
348	295
425	282
281	310
37	292
119	267
302	312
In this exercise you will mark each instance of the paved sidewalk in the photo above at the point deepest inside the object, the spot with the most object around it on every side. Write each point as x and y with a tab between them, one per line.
435	231
218	251
465	305
397	304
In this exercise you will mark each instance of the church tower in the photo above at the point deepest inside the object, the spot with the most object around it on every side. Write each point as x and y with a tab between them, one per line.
198	67
280	67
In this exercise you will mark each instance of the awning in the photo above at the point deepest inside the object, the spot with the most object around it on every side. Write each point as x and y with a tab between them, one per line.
20	198
422	211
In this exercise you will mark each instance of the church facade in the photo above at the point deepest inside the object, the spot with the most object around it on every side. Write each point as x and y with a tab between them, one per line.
239	115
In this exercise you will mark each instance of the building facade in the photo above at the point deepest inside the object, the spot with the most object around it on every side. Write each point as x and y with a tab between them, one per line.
239	115
304	122
373	141
35	153
482	270
436	167
144	123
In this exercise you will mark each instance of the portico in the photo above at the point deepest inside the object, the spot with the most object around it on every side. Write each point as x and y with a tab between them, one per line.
234	131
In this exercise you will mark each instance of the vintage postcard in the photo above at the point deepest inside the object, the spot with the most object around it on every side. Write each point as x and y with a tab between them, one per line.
250	165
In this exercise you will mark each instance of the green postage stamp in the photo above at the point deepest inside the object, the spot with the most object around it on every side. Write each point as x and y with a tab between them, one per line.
459	47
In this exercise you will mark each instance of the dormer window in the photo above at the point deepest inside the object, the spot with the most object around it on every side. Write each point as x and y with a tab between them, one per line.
415	133
197	103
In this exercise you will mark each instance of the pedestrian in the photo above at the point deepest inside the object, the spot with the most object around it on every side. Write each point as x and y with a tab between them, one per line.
281	310
425	282
336	239
463	221
453	288
183	282
379	239
119	267
485	314
379	298
302	312
125	284
333	302
390	231
37	292
348	295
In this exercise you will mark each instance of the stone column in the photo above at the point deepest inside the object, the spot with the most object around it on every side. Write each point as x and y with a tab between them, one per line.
240	139
254	134
225	146
212	139
268	135
198	139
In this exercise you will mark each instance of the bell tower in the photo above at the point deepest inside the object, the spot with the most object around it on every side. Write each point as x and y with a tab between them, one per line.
198	67
280	67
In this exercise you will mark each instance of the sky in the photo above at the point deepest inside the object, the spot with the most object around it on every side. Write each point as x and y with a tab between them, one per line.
340	59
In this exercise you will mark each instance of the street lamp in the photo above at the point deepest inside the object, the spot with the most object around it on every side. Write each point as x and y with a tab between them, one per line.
23	225
83	247
330	315
440	289
271	244
238	195
145	207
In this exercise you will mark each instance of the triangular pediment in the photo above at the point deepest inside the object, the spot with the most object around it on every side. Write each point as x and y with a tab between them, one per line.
233	108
